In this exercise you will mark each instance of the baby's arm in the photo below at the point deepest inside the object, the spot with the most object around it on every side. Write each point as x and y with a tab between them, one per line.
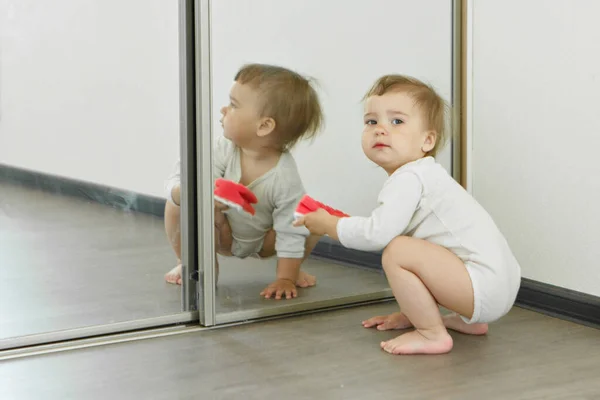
222	152
223	149
398	201
290	241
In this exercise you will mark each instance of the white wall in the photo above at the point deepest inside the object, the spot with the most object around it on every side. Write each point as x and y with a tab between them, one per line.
345	47
90	90
536	133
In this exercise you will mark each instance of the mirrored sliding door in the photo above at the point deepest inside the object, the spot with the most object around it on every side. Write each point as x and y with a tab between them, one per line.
244	53
93	174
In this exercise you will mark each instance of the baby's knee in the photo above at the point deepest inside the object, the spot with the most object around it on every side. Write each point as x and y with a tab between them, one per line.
172	211
311	241
313	238
394	252
220	221
268	245
176	194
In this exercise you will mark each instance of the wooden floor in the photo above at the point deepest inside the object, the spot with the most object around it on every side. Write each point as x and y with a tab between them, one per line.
322	356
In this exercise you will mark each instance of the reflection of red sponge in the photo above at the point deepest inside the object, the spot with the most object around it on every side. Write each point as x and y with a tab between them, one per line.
235	195
308	204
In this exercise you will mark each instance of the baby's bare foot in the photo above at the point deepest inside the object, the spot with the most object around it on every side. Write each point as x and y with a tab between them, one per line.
454	322
174	275
400	321
305	280
384	322
419	342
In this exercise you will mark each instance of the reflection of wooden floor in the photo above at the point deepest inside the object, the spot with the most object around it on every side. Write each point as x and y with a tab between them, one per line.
241	281
322	356
66	263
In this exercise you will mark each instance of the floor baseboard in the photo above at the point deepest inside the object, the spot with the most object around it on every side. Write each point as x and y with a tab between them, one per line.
332	250
559	302
541	297
116	198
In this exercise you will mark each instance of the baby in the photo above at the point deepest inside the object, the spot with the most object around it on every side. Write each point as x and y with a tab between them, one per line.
271	108
440	247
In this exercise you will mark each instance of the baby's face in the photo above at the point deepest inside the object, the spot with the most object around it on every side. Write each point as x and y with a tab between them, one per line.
240	118
394	131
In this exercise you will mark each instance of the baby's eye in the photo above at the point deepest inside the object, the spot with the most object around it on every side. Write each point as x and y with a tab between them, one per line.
370	122
397	121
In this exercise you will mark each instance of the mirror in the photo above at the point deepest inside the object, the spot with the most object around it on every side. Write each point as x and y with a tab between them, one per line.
89	132
342	53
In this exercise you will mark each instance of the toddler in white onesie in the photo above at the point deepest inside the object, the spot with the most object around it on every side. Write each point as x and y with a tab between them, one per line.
271	108
440	247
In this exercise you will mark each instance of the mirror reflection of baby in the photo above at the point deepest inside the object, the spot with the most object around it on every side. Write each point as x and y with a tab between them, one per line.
440	247
271	109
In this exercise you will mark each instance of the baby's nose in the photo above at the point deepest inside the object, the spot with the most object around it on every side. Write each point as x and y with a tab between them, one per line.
380	131
223	109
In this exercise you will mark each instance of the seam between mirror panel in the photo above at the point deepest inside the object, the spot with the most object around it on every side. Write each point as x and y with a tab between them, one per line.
206	249
188	155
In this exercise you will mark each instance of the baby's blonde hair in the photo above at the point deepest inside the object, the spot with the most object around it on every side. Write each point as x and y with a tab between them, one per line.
288	98
431	105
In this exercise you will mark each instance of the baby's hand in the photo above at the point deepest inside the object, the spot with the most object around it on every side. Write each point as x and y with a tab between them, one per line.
319	222
279	288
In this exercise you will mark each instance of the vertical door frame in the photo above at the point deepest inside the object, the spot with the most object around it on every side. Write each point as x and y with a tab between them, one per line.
465	122
204	146
457	117
198	256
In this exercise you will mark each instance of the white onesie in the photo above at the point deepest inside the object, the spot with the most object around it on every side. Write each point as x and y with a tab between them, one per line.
278	192
422	200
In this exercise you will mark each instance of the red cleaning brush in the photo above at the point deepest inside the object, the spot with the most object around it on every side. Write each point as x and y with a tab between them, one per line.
235	195
308	204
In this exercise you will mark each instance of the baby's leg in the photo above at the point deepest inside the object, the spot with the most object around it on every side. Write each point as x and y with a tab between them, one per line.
172	226
423	275
223	235
173	230
306	279
268	250
223	238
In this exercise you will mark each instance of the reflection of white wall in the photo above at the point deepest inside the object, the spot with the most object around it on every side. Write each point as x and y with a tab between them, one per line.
89	89
536	134
346	46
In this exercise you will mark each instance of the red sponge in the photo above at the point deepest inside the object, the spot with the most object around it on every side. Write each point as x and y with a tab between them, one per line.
235	195
308	204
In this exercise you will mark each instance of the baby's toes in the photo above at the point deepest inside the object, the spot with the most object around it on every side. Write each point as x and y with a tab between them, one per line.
374	321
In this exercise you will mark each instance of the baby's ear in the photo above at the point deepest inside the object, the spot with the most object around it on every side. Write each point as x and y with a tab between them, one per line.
266	126
429	142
